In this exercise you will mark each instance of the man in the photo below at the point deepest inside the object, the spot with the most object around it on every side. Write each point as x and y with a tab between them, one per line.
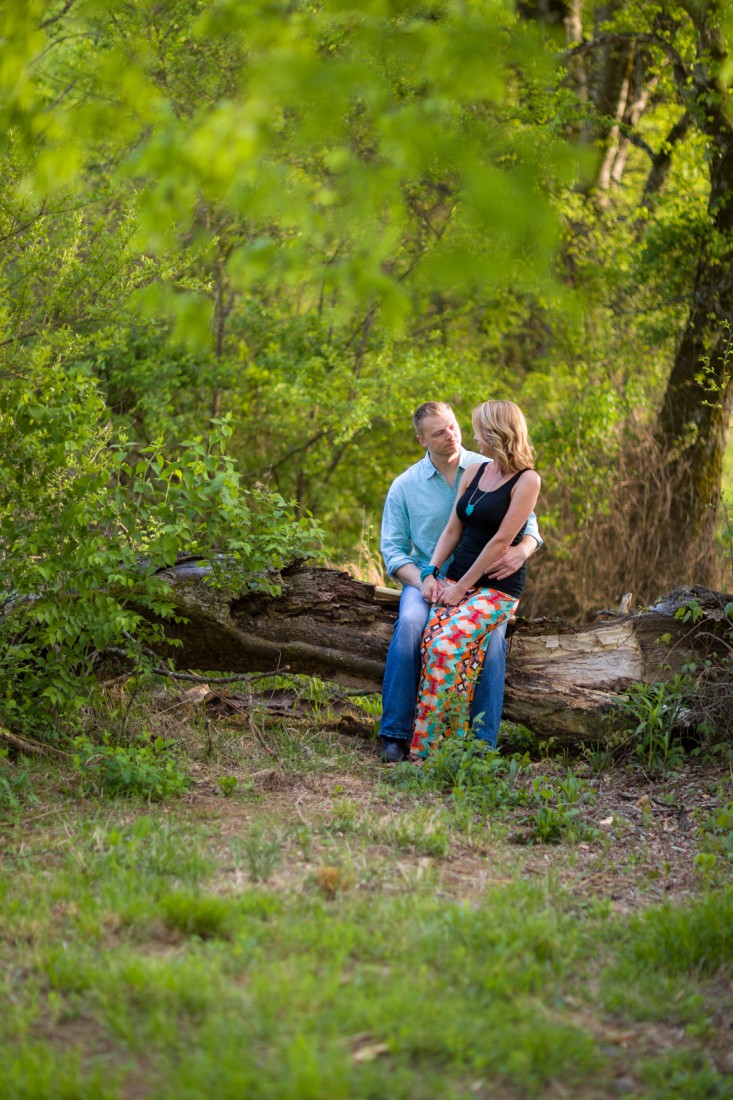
417	508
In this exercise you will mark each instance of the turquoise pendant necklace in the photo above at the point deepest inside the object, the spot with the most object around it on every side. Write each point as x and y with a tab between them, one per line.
482	493
470	506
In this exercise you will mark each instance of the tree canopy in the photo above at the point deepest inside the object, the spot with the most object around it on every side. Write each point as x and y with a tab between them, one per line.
289	223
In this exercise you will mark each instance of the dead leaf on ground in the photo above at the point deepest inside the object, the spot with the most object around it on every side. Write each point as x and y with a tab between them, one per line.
197	694
369	1053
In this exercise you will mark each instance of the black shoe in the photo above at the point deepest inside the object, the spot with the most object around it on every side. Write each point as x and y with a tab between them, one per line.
394	750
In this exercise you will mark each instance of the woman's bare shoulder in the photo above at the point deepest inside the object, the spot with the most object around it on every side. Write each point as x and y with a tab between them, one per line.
528	480
470	471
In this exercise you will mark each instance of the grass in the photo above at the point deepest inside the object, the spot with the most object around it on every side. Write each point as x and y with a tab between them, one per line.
317	931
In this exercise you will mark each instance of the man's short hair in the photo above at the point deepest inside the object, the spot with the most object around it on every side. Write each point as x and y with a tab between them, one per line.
428	408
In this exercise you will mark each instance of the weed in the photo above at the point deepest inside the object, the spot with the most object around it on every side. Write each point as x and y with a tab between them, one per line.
155	993
514	738
202	915
674	941
716	831
706	865
332	879
488	779
68	970
657	709
598	756
150	847
304	837
553	824
477	777
40	1071
681	1074
423	831
262	851
345	816
228	784
15	785
149	769
547	747
714	753
574	790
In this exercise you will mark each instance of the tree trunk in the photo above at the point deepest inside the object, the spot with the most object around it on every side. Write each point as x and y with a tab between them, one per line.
562	680
695	415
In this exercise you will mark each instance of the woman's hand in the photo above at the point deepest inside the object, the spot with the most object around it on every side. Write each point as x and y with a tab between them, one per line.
452	594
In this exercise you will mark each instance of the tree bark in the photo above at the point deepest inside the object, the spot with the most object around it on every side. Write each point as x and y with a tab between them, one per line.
696	410
562	680
662	161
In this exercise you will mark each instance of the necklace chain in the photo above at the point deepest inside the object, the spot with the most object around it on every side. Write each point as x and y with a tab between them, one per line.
470	507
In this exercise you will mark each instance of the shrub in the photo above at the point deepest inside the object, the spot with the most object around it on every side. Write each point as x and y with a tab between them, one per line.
92	521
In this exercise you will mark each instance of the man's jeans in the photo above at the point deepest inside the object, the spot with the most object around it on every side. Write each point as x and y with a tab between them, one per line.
402	675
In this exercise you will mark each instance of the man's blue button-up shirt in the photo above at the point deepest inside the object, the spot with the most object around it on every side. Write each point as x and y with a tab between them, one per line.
417	508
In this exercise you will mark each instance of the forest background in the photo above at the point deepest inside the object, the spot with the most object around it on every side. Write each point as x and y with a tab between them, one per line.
241	242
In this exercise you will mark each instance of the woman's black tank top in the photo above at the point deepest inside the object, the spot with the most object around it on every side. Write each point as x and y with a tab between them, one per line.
481	515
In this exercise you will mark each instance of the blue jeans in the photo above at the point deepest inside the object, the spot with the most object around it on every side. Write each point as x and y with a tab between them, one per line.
402	675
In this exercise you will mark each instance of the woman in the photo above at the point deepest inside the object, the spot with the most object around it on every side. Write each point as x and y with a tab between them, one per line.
492	506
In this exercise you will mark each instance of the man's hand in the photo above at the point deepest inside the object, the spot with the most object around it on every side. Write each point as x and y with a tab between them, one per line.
432	589
512	559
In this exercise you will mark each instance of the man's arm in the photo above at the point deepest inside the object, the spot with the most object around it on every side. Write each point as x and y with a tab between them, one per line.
396	543
515	557
408	574
531	527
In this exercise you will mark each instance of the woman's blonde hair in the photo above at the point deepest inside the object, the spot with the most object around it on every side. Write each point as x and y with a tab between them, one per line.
501	427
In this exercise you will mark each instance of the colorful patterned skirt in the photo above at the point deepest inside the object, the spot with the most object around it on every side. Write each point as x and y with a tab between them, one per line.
453	650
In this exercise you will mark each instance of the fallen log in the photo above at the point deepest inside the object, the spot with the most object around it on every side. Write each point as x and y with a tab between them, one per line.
562	680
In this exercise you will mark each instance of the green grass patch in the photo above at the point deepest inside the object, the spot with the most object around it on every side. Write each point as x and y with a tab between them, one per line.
681	1075
345	937
698	938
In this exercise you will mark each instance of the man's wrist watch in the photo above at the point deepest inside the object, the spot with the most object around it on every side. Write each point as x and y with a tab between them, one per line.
430	571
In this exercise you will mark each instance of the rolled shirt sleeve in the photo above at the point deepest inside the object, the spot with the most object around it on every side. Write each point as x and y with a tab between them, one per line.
396	541
531	527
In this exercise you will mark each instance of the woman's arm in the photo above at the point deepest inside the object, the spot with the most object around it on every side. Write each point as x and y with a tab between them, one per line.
524	498
449	538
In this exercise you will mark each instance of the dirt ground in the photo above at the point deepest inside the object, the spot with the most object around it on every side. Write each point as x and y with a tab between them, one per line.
647	830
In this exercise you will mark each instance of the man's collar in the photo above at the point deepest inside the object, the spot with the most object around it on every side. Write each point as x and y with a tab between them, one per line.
426	466
429	469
